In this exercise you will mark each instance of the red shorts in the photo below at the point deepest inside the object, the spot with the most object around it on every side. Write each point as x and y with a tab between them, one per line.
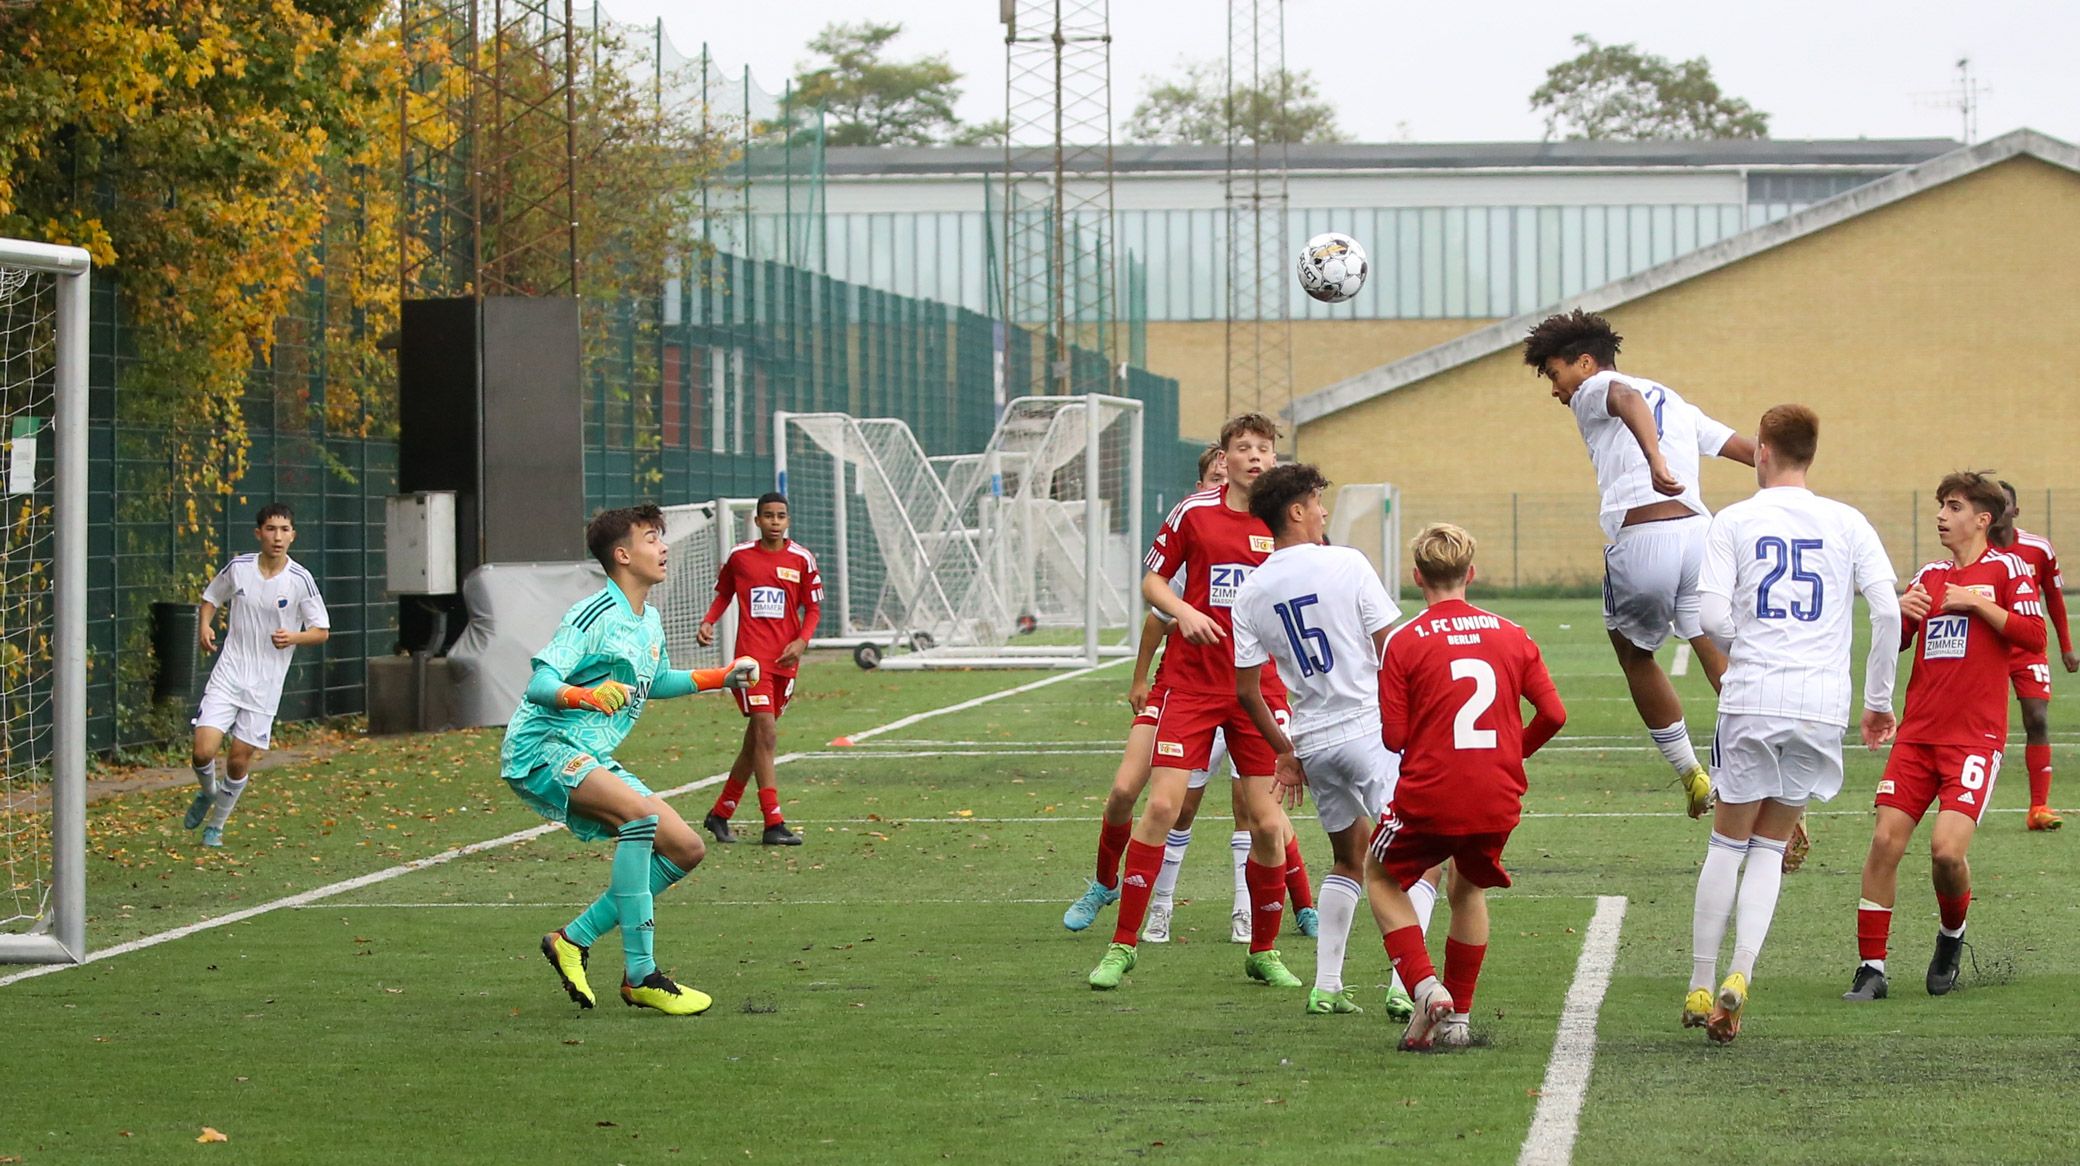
1952	777
1148	714
1187	721
1406	852
769	695
2032	679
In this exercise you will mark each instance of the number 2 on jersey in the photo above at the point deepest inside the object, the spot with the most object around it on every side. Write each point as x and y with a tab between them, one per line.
1788	557
1310	645
1482	673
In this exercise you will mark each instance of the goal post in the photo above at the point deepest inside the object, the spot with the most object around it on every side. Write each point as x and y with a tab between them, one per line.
1367	516
43	648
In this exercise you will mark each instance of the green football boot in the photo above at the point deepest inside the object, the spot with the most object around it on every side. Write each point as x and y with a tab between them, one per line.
1118	961
1267	968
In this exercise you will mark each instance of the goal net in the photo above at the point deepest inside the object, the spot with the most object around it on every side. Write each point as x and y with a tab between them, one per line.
43	635
1367	516
1024	554
697	538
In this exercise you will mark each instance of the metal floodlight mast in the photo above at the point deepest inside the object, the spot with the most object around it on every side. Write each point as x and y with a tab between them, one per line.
1259	331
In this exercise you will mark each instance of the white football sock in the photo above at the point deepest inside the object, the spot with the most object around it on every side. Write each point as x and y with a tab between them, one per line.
1238	849
227	800
1173	860
206	776
1760	881
1674	743
1338	904
1423	896
1716	884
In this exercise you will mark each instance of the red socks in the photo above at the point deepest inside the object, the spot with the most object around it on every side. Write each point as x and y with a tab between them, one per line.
2038	757
1267	901
1112	842
1296	876
769	802
1462	970
725	806
1951	909
1144	863
1410	958
1873	928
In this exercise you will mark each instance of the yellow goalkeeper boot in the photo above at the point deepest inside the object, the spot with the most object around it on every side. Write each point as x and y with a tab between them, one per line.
569	960
658	991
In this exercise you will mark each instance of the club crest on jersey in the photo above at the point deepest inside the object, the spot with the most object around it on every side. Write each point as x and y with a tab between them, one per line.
1223	580
1982	590
654	652
1262	544
1946	637
283	601
788	574
768	603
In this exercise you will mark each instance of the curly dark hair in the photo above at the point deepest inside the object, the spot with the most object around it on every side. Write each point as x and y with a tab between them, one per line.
1281	486
609	527
1570	335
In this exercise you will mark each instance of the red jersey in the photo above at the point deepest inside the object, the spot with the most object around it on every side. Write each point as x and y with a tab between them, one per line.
779	598
2042	564
1449	683
1958	694
1216	548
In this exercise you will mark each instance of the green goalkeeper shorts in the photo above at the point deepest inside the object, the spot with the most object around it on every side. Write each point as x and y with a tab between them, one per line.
560	766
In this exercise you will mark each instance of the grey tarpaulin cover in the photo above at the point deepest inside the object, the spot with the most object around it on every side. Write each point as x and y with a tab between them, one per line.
513	611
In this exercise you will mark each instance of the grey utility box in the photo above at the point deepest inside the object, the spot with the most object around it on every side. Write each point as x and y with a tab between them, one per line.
419	543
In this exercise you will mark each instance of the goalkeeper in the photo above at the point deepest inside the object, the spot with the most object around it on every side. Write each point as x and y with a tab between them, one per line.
589	686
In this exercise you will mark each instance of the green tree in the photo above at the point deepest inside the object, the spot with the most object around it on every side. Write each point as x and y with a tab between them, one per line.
1617	93
1192	108
871	100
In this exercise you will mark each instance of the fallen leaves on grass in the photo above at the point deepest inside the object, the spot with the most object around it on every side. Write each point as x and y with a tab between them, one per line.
212	1134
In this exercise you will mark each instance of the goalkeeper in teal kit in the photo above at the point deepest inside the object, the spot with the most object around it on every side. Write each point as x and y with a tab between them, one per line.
590	684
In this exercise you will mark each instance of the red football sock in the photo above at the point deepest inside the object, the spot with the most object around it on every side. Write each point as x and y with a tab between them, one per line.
1462	970
1296	876
769	801
1267	902
1144	863
2038	757
725	805
1951	908
1405	949
1873	928
1112	842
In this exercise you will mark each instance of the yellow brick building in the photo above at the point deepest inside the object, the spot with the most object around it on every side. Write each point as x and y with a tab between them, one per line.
1932	318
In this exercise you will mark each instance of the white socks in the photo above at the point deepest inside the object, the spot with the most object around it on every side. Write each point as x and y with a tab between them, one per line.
206	776
1424	897
1716	885
1338	904
1173	860
227	799
1238	849
1674	743
1760	880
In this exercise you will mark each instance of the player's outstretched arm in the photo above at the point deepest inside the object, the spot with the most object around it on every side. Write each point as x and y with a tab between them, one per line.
1738	449
677	682
548	690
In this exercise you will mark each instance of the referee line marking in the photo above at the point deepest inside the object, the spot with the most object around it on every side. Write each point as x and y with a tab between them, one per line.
317	894
1557	1119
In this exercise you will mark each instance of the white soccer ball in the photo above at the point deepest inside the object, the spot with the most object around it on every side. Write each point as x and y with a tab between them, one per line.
1333	267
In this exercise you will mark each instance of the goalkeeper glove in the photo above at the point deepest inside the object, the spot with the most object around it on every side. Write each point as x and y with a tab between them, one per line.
742	673
609	697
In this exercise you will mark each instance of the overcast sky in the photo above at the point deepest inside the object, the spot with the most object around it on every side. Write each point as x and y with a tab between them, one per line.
1464	72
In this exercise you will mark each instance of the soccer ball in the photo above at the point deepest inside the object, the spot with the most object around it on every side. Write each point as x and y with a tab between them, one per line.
1333	267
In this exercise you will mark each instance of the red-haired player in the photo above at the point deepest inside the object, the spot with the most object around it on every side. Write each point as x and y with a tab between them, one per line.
2030	672
1449	685
779	598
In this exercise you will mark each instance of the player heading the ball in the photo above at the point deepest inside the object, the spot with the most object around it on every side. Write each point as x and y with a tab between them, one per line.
590	684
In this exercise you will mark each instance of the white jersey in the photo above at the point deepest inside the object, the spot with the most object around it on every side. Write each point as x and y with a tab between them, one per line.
1314	609
1791	564
1622	476
250	670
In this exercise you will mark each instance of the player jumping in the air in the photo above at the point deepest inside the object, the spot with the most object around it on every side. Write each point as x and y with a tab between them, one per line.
1449	685
274	607
590	684
1217	542
779	598
2030	672
1320	613
1966	615
1644	441
1781	571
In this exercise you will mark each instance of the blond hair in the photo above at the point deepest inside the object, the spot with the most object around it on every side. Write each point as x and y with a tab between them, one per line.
1443	554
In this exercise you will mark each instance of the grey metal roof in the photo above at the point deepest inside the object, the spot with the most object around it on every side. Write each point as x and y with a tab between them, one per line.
1883	154
1509	333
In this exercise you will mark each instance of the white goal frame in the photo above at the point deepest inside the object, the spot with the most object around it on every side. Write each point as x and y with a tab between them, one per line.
60	937
1367	516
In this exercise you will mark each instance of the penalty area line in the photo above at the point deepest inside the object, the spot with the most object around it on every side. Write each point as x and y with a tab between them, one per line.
316	894
1558	1117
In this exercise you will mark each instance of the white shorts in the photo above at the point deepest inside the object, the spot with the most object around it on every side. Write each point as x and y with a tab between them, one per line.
1214	761
1650	580
253	727
1352	781
1791	761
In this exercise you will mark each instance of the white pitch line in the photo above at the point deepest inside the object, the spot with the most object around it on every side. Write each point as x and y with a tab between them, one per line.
418	864
908	721
1558	1117
1680	666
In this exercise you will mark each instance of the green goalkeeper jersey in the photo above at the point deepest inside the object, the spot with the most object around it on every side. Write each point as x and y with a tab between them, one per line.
601	638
